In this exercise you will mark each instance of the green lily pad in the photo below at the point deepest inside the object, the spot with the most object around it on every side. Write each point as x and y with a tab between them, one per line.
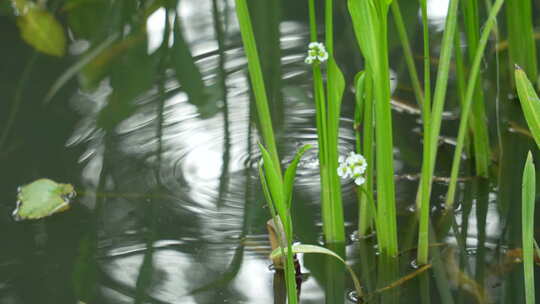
42	198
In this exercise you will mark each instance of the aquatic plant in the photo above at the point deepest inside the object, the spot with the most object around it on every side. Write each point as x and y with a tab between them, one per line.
528	196
370	26
363	128
327	108
530	103
520	32
466	107
432	118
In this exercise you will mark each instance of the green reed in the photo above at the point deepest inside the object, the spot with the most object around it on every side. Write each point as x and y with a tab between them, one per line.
364	120
477	122
328	107
466	107
521	43
278	194
277	190
432	127
257	81
370	26
426	106
407	52
528	195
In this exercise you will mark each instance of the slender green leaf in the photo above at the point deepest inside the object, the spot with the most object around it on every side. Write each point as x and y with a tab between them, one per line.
530	103
370	26
528	195
255	73
477	123
290	173
360	90
521	42
301	248
432	127
275	184
463	124
407	52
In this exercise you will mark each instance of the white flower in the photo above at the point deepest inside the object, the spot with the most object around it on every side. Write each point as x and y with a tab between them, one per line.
341	171
359	181
316	53
353	166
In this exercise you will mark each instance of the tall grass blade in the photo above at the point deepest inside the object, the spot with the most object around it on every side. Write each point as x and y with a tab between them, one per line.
530	103
274	194
335	87
477	121
528	196
432	127
521	43
364	116
328	109
290	174
256	76
370	25
475	70
407	52
302	248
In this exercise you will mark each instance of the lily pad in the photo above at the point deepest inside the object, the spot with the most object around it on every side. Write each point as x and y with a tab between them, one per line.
42	198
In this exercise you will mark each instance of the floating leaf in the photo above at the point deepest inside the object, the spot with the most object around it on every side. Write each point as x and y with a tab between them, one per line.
41	30
42	198
301	248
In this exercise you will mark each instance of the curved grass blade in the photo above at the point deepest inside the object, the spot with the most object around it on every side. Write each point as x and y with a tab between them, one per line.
466	109
528	195
301	248
274	182
256	76
290	173
530	103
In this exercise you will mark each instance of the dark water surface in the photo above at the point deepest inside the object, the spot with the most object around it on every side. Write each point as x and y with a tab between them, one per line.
159	139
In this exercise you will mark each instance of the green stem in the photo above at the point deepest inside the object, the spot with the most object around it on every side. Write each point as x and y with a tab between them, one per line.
432	131
257	80
409	59
475	69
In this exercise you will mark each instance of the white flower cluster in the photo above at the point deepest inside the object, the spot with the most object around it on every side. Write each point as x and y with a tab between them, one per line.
316	53
353	166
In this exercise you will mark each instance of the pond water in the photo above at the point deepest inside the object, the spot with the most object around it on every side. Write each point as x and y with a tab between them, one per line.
159	138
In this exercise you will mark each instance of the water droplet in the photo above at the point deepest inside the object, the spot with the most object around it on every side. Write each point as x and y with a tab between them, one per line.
320	240
471	251
15	213
352	296
355	236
